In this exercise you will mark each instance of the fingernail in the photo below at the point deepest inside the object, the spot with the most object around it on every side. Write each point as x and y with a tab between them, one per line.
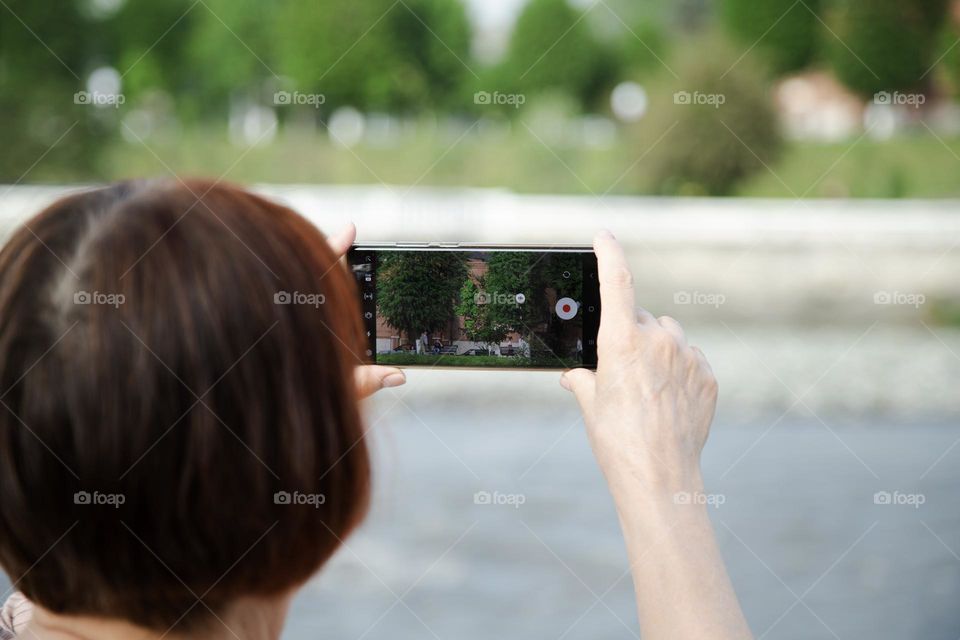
605	233
394	380
564	382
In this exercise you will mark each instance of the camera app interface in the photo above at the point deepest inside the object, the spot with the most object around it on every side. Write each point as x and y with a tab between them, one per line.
454	308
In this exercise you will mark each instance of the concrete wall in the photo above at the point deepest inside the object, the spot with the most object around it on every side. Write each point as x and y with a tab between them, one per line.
776	260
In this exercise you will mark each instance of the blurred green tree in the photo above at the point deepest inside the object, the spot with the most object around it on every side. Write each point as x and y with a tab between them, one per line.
643	48
716	127
376	54
231	53
553	48
43	63
949	56
884	45
148	43
786	31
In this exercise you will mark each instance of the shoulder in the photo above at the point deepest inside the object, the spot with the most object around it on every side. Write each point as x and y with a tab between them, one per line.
14	615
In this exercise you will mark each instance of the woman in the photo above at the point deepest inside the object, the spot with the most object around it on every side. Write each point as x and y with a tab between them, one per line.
181	445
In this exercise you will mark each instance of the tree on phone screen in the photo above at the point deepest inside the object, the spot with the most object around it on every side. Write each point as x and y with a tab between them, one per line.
492	311
418	291
479	324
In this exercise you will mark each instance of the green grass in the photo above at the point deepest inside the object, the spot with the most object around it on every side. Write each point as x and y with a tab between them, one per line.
919	166
500	362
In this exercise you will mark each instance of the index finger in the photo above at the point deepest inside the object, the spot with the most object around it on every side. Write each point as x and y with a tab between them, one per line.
616	283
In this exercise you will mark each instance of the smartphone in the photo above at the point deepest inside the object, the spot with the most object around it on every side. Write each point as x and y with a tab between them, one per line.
478	306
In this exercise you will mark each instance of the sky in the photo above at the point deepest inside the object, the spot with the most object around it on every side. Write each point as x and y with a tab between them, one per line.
492	20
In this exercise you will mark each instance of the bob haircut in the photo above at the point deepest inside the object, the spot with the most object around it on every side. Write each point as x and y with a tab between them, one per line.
179	425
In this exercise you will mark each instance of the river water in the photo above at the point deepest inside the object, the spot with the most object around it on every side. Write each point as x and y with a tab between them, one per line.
811	553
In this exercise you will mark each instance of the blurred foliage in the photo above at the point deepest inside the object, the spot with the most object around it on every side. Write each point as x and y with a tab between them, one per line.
129	41
643	49
924	166
229	53
377	54
944	312
186	67
712	129
884	45
39	117
949	56
785	31
871	45
553	48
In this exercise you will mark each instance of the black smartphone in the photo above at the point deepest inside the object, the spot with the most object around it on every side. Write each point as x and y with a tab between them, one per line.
478	306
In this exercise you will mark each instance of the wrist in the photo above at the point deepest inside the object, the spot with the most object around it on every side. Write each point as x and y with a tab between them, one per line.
654	481
652	503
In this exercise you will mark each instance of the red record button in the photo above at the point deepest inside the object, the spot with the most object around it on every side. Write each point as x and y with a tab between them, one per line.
566	308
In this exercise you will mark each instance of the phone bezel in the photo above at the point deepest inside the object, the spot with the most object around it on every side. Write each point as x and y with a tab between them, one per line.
481	246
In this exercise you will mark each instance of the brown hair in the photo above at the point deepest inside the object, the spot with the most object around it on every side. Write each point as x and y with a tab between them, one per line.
178	419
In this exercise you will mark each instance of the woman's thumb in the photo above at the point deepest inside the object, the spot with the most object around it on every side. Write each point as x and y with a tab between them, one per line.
583	384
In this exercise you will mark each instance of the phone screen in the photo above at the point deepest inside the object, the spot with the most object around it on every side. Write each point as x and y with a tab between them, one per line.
478	307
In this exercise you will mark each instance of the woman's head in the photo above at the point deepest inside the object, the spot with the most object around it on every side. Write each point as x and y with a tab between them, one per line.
177	413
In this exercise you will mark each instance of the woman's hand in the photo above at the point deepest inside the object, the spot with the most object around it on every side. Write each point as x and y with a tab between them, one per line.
649	406
648	410
370	378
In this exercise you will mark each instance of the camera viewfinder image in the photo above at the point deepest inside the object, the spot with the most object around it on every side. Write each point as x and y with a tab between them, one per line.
477	308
